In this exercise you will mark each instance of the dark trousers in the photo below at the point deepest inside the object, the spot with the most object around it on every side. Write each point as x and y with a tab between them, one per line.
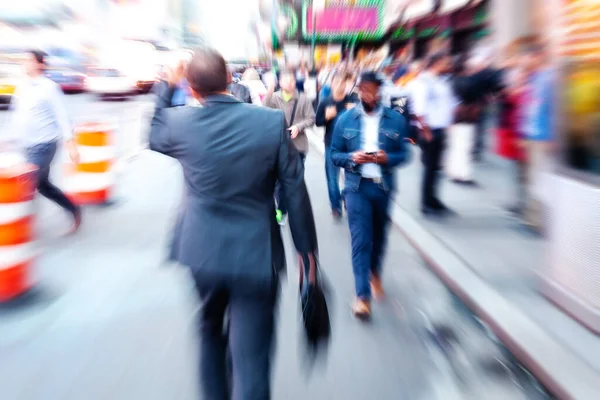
431	156
249	314
368	218
280	193
42	155
332	173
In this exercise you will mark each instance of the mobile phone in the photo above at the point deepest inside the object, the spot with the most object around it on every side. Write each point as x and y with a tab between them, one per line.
371	153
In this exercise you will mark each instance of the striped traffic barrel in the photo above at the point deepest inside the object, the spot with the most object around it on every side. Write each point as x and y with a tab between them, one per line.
91	181
17	188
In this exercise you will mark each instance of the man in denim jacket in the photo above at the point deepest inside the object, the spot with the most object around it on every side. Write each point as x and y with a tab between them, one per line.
368	142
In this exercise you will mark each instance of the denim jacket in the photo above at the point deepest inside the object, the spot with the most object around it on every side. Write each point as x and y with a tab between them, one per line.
347	139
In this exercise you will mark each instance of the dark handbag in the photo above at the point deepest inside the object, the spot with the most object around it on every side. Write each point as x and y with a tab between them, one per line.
467	113
315	314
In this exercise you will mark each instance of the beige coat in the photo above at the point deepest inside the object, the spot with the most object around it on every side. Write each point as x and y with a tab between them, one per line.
304	118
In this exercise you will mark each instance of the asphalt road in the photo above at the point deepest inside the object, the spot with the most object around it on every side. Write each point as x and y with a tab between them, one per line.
111	320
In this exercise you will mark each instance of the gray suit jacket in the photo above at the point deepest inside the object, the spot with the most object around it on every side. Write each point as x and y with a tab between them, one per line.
232	154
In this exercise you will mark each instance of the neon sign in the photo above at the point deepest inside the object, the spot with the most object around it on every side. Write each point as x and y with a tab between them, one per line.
361	20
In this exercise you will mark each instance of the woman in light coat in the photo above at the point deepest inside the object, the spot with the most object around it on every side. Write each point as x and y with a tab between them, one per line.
258	90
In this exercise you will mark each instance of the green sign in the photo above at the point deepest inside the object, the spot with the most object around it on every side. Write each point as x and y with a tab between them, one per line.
480	17
428	32
403	34
289	11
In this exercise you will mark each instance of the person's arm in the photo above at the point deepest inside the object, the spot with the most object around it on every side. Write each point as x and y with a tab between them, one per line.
268	101
320	116
339	152
307	114
60	113
399	154
62	120
290	173
160	137
418	96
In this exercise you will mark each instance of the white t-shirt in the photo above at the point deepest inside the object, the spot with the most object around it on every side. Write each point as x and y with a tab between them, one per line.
433	100
370	143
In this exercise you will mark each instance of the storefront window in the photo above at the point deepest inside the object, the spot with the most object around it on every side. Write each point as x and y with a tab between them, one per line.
580	51
582	117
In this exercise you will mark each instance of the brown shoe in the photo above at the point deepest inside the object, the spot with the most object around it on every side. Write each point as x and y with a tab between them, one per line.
377	288
361	309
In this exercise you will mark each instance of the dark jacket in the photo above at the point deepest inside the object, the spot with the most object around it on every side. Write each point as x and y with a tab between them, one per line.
240	92
340	107
347	137
232	154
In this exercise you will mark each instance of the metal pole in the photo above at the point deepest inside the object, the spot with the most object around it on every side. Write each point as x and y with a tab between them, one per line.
314	35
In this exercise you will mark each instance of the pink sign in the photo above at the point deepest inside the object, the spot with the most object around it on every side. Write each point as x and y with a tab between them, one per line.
344	20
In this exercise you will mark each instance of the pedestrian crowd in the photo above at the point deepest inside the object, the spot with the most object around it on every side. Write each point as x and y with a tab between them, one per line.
241	139
243	154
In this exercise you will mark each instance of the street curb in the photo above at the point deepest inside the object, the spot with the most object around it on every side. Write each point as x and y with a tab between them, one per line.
563	373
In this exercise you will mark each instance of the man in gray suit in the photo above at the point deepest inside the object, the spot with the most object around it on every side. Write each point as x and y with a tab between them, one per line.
232	154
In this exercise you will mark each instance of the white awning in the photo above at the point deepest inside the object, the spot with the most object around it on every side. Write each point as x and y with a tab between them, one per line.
419	8
449	6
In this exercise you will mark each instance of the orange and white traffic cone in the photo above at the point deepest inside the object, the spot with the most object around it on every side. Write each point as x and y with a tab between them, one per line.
92	180
17	188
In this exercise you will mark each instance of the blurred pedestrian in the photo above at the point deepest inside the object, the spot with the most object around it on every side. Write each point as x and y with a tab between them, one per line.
537	129
231	154
258	90
301	77
328	112
239	91
368	142
299	116
433	105
39	123
466	116
510	141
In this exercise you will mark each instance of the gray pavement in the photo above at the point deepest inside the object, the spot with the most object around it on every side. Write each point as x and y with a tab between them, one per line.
111	320
497	247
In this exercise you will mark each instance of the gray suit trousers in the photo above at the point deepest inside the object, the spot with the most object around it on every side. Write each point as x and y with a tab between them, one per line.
248	311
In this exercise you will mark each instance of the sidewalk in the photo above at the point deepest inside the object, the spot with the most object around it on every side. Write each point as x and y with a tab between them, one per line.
491	263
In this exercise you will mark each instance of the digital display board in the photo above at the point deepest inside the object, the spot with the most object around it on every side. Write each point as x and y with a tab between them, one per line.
360	19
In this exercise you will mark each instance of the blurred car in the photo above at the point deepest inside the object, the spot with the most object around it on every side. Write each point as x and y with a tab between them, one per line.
110	83
10	77
67	79
145	83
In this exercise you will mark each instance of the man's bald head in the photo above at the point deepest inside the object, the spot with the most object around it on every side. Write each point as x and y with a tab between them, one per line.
207	73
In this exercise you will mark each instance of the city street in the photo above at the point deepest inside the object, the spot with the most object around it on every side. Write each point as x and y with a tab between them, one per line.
109	319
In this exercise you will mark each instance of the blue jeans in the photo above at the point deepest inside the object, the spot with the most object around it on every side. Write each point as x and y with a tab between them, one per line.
368	217
41	155
333	181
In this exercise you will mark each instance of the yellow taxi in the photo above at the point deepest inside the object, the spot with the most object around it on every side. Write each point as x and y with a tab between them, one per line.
10	76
